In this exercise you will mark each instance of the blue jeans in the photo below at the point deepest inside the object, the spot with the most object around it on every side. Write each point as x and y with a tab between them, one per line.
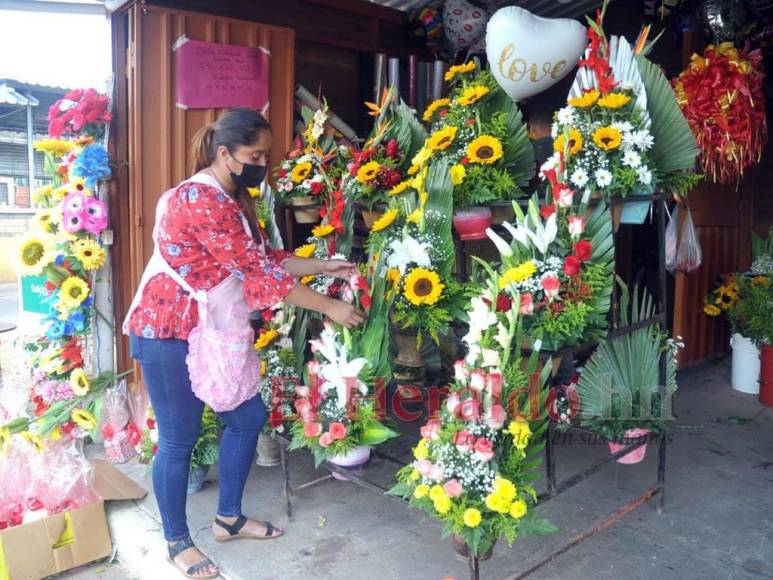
178	417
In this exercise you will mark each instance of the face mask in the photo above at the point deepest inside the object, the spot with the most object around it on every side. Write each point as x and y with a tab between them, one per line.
252	175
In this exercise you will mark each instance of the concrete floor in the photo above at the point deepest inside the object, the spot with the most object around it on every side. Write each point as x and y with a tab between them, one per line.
718	521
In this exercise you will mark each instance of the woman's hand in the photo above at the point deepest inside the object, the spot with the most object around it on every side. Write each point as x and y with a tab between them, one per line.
344	313
338	268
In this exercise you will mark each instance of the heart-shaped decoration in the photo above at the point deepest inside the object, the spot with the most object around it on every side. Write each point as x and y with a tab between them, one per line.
528	53
463	23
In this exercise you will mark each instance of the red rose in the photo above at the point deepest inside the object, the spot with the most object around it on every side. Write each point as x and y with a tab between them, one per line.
431	430
527	303
464	441
504	303
317	187
442	113
393	149
68	427
311	430
572	266
325	440
464	161
547	210
337	431
151	423
267	315
133	434
282	173
583	250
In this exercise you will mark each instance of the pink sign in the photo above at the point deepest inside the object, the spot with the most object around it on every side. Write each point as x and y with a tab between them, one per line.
211	75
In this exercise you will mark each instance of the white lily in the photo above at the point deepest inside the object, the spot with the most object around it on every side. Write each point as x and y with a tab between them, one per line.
338	374
472	355
518	232
490	358
504	248
543	236
481	315
503	337
406	251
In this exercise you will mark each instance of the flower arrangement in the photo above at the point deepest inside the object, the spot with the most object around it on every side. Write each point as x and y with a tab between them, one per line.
79	112
744	300
146	440
721	94
205	451
476	461
480	133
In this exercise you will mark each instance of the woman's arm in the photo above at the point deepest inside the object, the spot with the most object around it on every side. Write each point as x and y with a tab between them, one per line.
301	267
338	311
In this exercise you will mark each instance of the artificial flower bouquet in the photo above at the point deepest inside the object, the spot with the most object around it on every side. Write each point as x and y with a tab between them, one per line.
480	132
80	112
477	460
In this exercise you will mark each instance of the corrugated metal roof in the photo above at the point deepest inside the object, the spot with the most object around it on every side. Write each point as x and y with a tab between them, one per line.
9	96
547	8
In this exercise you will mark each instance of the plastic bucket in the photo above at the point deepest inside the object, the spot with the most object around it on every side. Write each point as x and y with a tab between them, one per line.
745	366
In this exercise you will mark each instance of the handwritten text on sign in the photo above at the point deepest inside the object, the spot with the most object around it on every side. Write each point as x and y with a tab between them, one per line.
213	75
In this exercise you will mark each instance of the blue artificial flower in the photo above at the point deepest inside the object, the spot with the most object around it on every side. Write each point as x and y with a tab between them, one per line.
56	331
91	165
59	260
76	322
87	303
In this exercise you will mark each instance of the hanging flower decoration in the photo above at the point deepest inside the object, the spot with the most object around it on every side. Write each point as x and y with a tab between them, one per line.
80	111
721	95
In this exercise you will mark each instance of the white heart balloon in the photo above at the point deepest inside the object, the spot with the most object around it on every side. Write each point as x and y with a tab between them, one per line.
528	54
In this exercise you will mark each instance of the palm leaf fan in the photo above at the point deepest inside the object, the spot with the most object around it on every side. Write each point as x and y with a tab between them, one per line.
519	151
439	211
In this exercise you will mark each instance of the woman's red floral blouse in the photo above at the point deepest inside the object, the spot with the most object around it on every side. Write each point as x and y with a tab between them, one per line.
204	241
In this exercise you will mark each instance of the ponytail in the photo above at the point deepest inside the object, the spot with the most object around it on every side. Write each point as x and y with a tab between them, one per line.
202	151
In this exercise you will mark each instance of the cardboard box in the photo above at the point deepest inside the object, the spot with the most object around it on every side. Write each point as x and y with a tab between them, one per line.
67	540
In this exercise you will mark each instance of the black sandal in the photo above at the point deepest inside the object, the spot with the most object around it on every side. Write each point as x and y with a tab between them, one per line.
234	531
178	548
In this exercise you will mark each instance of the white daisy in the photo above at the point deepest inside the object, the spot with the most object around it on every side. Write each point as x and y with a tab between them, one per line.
645	175
565	116
580	178
624	126
631	158
554	130
641	139
551	163
603	178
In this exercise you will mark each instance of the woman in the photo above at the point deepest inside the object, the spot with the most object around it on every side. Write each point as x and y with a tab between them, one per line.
205	240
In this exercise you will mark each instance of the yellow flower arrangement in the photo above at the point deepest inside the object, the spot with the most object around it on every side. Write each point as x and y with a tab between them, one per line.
607	138
306	251
90	254
322	230
421	491
45	221
459	69
505	489
368	172
433	108
83	419
443	504
458	173
73	292
521	433
588	99
518	274
265	339
423	286
401	187
472	517
33	255
472	95
485	149
518	509
79	382
614	101
441	139
385	220
437	492
300	172
55	147
496	503
575	142
420	451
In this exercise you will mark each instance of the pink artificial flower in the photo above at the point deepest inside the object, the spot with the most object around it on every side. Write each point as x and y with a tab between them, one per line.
74	203
73	222
431	431
477	379
527	304
494	385
576	225
302	391
453	403
337	431
550	284
460	371
464	441
424	467
312	429
437	473
484	449
470	409
495	417
453	488
564	196
325	440
94	216
303	406
314	366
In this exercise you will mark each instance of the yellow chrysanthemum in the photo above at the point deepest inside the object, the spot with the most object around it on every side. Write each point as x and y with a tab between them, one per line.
459	69
34	439
518	274
421	491
485	149
588	99
472	517
472	95
458	173
607	138
368	172
300	172
401	187
423	286
73	292
504	488
306	251
443	504
415	216
614	101
518	509
83	419
521	433
711	310
56	147
79	382
265	339
322	230
421	158
575	142
33	255
421	451
306	280
442	138
90	254
385	220
496	503
437	492
433	108
41	195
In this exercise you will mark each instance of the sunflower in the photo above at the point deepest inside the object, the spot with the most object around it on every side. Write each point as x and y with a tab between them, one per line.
442	138
421	158
458	173
413	170
45	221
90	254
711	310
55	147
762	281
73	292
79	383
588	99
33	255
265	339
415	217
459	69
607	138
485	149
423	286
40	195
83	419
368	172
433	107
385	220
306	251
34	439
614	101
575	142
401	187
727	298
300	172
322	230
518	273
60	192
472	94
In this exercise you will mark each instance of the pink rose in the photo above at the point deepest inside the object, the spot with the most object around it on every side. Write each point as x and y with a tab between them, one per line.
477	379
495	417
453	488
302	391
470	409
494	385
453	403
431	431
484	449
424	467
311	430
527	304
564	197
436	473
464	441
550	284
303	406
460	371
337	431
576	225
325	440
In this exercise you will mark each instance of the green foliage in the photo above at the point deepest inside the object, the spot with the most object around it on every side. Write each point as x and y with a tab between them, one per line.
565	328
205	451
431	320
762	246
439	212
754	312
483	184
